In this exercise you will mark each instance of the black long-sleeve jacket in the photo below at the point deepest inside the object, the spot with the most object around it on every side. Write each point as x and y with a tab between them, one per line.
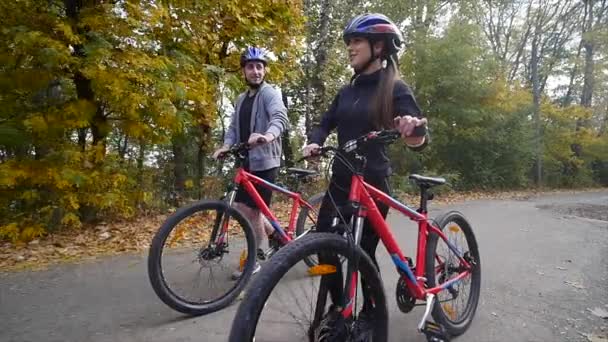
349	113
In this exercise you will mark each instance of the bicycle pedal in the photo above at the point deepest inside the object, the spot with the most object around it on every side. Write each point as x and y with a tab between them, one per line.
435	332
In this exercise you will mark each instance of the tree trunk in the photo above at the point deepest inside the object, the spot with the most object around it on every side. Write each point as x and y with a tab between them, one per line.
604	124
123	144
308	120
179	167
588	46
321	30
286	141
588	76
99	126
536	102
587	93
522	45
573	72
140	162
200	170
82	139
204	132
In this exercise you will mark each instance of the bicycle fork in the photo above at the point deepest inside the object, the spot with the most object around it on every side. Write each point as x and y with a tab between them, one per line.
352	275
221	222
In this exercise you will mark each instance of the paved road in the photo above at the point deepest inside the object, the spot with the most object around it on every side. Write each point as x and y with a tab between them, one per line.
543	266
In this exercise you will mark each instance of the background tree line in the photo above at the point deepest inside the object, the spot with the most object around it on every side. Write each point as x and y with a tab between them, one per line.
111	108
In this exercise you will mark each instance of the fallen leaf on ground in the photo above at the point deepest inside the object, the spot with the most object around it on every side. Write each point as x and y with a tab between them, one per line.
599	312
574	284
111	238
594	338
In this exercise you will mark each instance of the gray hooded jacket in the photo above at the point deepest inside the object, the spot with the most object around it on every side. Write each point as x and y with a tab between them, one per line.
269	115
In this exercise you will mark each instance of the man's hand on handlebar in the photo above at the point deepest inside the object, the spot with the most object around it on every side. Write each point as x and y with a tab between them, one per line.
219	153
259	139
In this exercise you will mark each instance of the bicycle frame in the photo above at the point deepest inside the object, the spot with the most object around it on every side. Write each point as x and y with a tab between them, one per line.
364	194
247	181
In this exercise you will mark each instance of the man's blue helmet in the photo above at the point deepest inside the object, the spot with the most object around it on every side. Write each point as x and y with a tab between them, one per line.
375	27
254	54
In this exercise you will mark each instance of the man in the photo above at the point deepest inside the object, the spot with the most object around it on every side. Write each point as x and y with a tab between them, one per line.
259	119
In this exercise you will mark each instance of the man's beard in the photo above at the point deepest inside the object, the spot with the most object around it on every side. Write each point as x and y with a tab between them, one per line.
254	85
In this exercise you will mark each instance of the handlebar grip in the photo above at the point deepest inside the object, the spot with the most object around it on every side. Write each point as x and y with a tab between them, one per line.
419	131
391	134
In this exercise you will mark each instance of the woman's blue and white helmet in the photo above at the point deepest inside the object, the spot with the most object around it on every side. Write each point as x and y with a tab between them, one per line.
375	27
254	54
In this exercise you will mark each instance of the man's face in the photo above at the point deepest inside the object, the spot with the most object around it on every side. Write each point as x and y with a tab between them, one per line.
254	72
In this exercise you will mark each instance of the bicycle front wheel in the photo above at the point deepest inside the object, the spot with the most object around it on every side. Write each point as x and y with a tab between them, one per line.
288	301
195	255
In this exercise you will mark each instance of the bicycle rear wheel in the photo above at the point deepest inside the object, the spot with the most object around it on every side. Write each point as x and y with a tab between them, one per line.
456	305
194	253
285	303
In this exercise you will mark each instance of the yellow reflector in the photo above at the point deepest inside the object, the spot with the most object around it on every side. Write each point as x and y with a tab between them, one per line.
321	270
448	309
454	229
242	260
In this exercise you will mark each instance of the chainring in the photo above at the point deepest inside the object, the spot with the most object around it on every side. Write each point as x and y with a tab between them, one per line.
405	301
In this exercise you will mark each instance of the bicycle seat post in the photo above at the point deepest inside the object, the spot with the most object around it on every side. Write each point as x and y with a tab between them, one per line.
425	196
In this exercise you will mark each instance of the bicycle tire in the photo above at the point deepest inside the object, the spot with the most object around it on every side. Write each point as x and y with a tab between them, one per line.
454	327
155	272
248	313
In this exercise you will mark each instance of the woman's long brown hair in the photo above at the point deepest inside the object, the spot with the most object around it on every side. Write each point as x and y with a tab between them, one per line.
382	105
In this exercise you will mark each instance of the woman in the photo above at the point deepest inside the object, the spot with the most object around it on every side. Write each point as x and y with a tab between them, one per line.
375	99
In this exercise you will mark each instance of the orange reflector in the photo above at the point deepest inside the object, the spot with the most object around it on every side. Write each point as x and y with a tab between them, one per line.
454	229
242	260
321	270
448	309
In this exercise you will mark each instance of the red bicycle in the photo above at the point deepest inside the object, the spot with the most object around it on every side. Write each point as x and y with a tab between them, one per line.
445	277
197	249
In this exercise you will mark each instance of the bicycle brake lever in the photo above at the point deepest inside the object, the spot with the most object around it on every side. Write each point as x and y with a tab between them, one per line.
350	146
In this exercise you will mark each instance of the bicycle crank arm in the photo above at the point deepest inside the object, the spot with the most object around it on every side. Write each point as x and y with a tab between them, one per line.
433	331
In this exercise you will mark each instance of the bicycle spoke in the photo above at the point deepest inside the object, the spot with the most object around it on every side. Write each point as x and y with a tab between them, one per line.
211	267
455	298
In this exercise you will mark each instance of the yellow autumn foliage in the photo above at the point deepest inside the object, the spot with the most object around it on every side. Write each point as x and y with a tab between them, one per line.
150	70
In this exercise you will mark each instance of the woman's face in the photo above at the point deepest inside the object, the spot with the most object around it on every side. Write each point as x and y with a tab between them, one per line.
359	52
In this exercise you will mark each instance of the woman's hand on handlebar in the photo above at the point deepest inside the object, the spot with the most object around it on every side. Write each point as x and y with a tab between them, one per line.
408	127
311	150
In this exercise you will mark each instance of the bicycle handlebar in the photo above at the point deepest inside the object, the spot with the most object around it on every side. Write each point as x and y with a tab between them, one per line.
381	137
240	148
